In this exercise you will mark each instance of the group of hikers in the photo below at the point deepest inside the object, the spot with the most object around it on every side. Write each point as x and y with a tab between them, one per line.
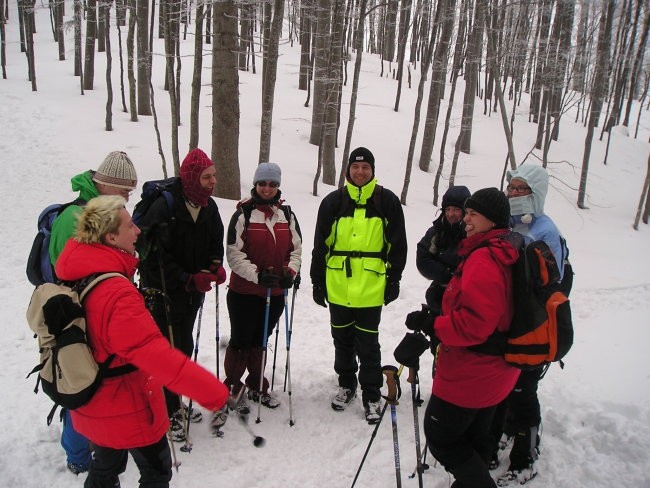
358	257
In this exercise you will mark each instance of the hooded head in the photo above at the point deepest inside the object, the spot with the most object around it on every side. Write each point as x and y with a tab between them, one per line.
361	155
117	171
455	197
194	164
493	204
536	177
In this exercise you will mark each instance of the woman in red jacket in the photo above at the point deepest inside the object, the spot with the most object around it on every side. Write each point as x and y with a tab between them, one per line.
468	385
128	413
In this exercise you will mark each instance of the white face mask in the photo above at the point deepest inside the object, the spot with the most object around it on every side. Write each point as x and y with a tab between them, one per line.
522	205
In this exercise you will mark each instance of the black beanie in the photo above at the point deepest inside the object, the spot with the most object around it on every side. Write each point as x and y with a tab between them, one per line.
361	155
492	204
455	197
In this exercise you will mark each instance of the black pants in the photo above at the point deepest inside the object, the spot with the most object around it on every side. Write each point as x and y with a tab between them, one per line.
459	438
246	347
154	463
183	310
355	332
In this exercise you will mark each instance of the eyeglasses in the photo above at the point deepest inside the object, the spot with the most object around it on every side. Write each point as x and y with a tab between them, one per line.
518	189
272	184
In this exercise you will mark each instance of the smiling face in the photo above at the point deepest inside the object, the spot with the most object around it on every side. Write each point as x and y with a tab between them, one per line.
476	222
360	173
208	178
126	235
267	189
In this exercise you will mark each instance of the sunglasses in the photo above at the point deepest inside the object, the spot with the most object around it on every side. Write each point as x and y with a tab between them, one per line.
272	184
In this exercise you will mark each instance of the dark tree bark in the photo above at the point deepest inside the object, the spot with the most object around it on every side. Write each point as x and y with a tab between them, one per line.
404	21
143	57
225	99
3	40
323	20
91	34
130	50
195	97
109	66
306	13
598	89
636	69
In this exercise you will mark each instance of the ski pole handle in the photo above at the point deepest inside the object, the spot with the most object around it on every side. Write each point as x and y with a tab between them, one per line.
392	383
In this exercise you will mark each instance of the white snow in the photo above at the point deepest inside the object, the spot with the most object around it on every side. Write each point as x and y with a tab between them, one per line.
596	412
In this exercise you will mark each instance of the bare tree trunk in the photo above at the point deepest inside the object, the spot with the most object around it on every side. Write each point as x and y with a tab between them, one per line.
644	198
144	57
404	22
271	71
27	9
3	40
169	11
306	13
121	55
602	60
59	7
130	45
91	34
323	19
225	99
106	7
195	98
471	76
636	70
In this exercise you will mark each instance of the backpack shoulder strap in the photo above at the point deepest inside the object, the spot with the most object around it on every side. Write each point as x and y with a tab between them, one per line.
94	280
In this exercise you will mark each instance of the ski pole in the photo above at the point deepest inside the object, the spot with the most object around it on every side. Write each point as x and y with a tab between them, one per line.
187	447
264	342
288	325
392	382
296	285
395	395
414	379
275	353
216	329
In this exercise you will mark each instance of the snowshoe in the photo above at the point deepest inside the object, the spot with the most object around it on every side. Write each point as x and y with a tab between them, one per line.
373	412
343	398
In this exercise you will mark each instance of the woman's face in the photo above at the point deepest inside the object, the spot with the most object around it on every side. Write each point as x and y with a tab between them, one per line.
126	235
267	189
476	222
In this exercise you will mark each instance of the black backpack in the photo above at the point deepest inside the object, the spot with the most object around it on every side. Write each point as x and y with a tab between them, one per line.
67	371
541	331
39	267
151	191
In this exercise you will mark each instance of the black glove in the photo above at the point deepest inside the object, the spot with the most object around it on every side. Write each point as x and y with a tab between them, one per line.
296	281
391	292
267	278
422	320
320	295
286	279
408	351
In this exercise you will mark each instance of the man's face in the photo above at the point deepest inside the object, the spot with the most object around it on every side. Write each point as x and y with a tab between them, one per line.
360	173
453	214
208	178
126	235
113	190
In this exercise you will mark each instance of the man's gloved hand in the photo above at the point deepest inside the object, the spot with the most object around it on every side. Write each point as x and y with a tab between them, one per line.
217	269
422	320
320	295
267	278
391	292
286	278
201	281
296	281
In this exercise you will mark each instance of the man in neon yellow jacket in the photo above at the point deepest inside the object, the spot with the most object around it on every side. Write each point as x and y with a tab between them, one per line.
357	262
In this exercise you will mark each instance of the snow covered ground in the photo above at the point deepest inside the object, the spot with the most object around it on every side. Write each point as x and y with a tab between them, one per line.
596	411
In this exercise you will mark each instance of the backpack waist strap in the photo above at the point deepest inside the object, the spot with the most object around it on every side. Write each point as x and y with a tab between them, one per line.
357	254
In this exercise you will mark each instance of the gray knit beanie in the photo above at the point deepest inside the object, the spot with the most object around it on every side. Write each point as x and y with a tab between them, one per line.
117	170
267	172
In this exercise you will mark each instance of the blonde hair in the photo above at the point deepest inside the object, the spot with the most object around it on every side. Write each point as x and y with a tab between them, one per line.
100	216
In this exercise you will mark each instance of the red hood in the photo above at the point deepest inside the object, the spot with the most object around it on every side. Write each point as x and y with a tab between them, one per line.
500	248
80	260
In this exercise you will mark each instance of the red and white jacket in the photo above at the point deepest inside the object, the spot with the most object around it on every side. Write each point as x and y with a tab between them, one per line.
477	301
129	410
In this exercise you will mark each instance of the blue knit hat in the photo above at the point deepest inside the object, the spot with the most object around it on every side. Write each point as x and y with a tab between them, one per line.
267	172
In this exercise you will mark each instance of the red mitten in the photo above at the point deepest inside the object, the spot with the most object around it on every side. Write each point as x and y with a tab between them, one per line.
201	281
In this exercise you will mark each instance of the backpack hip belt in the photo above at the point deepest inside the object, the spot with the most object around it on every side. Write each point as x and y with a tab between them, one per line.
357	254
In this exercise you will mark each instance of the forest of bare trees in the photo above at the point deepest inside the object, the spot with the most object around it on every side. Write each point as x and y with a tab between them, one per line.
583	55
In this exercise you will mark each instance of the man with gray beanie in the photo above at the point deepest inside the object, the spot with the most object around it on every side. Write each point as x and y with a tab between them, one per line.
357	262
115	176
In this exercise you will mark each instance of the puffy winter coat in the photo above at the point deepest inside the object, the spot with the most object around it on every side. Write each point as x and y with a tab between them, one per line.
268	241
65	224
358	248
477	301
129	410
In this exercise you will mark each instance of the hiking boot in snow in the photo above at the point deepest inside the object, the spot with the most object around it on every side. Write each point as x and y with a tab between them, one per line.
373	412
267	400
77	468
176	429
219	419
195	415
238	402
343	398
514	477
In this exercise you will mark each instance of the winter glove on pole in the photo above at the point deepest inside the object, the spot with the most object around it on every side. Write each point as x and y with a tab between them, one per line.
267	278
217	269
422	320
286	278
201	281
391	292
320	295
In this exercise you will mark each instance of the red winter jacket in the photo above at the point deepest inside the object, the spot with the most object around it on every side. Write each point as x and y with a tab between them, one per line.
129	410
477	301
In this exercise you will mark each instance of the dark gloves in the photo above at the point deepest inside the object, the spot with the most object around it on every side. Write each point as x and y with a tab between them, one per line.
320	295
391	292
296	281
286	278
201	281
422	320
408	351
267	278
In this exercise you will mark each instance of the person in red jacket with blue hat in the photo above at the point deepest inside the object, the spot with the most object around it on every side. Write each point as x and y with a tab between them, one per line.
468	386
127	414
